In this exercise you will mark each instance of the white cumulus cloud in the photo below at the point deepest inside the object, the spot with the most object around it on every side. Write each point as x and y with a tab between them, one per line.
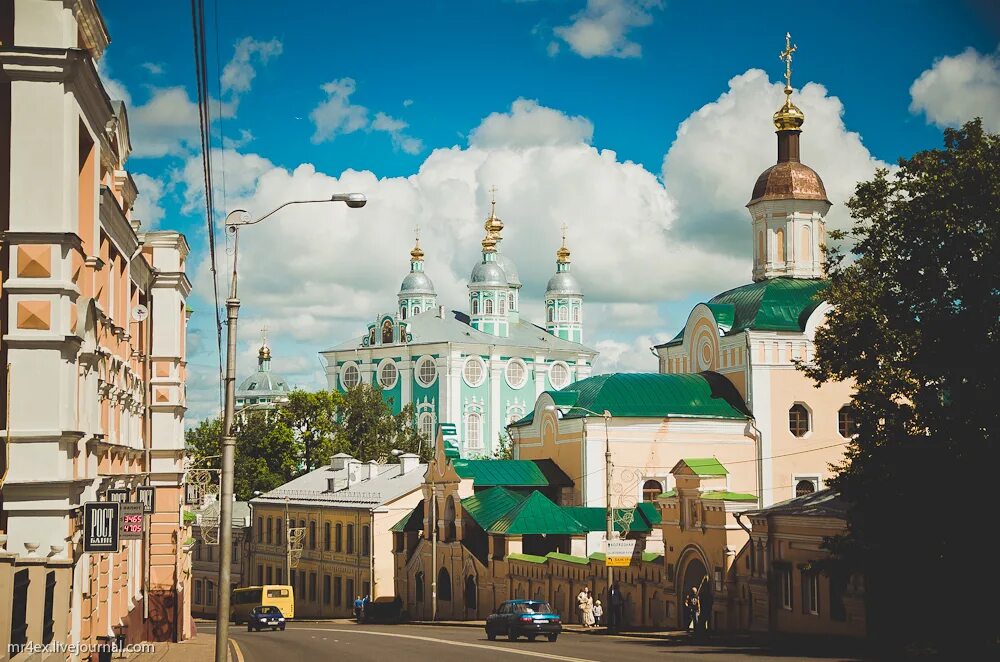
239	72
530	124
958	88
147	206
721	148
338	115
602	28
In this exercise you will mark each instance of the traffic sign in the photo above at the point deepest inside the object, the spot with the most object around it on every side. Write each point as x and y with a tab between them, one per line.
100	526
618	553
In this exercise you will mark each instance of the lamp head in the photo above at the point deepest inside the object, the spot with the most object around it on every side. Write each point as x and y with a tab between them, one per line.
395	452
352	200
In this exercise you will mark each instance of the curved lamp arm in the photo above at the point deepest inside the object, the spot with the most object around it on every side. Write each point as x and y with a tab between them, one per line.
242	216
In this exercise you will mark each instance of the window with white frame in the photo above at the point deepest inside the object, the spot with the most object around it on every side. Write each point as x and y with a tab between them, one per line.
810	592
388	374
516	373
510	300
563	314
426	371
558	375
416	310
805	485
474	430
576	313
475	305
549	313
474	371
350	376
488	307
426	426
784	587
798	420
502	301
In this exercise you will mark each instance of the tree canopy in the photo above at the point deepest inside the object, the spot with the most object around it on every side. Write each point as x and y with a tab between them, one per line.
916	322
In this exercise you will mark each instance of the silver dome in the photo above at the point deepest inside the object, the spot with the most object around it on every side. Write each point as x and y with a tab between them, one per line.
416	282
509	269
488	273
563	283
263	382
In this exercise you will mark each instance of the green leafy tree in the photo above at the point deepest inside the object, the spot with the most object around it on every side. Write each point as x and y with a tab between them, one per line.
916	322
368	430
313	419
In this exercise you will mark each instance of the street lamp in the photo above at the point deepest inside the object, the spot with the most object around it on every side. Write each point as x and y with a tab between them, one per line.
234	221
606	415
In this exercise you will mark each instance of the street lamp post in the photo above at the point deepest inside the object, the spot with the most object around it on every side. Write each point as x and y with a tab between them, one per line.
234	221
609	510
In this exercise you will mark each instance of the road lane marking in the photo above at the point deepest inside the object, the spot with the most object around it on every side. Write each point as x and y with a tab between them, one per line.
514	651
236	649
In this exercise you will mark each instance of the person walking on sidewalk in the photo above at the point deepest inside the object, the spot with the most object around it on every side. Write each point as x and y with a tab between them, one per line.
598	612
581	601
588	612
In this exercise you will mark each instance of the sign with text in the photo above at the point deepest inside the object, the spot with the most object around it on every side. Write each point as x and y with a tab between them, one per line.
192	494
100	526
118	495
146	495
131	520
618	553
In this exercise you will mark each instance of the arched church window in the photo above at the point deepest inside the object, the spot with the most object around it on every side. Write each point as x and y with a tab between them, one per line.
502	303
563	314
576	313
475	306
402	312
450	530
444	585
474	431
371	336
549	313
650	490
804	487
760	245
510	299
426	426
806	243
488	307
779	241
471	601
419	587
387	332
416	310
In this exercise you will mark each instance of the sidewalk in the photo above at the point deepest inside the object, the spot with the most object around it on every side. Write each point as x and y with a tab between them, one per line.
198	648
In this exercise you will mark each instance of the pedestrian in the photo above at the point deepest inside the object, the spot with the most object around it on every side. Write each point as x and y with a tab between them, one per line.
616	607
598	613
359	604
588	612
581	601
693	606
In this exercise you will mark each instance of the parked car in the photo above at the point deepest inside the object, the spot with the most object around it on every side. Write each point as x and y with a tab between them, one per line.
265	616
384	609
527	618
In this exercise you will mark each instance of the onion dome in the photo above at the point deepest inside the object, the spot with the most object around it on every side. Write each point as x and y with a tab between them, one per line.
417	281
488	272
563	282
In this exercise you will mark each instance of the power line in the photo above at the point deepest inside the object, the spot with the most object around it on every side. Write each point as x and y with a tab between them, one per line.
205	124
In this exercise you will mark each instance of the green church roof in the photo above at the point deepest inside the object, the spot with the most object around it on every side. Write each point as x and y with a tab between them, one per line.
775	304
512	473
724	495
704	466
535	515
705	395
595	519
488	506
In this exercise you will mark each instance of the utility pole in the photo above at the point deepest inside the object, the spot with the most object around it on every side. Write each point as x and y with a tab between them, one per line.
288	545
607	496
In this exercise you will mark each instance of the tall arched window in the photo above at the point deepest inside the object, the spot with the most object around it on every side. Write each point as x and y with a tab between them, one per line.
444	585
450	532
760	246
576	313
471	594
426	426
807	243
502	302
549	313
402	312
419	587
563	314
650	490
338	538
387	332
488	307
510	301
366	541
474	430
779	244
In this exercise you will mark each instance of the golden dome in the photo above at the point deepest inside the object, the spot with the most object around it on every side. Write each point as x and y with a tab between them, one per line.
417	254
265	353
788	180
789	117
489	243
562	253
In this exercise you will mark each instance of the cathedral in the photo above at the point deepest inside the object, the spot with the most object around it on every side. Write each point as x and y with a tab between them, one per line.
474	371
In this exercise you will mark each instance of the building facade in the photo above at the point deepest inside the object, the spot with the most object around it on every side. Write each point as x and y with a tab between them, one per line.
477	370
756	333
91	347
205	555
345	510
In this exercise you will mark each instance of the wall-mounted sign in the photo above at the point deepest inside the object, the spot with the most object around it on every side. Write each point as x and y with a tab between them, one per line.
100	526
131	518
618	553
146	495
118	495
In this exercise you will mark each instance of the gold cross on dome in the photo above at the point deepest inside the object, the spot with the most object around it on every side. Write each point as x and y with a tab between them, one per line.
493	193
786	57
263	334
416	231
564	227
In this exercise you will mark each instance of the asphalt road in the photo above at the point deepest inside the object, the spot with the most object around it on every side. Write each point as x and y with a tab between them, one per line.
402	643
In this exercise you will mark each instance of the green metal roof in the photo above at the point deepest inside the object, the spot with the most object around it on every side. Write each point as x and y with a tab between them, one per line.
775	304
530	558
511	473
704	466
569	558
595	519
650	557
488	506
537	514
723	495
650	512
705	395
668	494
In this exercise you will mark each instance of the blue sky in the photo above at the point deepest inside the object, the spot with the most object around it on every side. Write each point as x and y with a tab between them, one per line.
666	104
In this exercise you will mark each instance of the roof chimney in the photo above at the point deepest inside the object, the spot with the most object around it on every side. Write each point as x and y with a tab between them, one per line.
408	462
353	468
441	312
339	461
368	470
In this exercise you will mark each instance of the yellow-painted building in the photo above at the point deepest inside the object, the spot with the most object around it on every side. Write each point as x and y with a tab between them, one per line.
345	510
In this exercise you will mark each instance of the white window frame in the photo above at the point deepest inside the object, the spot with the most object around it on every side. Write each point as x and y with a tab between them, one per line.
810	583
468	427
420	363
569	375
785	588
482	373
524	375
343	371
810	420
385	363
421	419
814	477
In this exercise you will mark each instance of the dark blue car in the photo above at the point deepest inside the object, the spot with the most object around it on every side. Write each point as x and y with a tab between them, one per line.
524	618
265	617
